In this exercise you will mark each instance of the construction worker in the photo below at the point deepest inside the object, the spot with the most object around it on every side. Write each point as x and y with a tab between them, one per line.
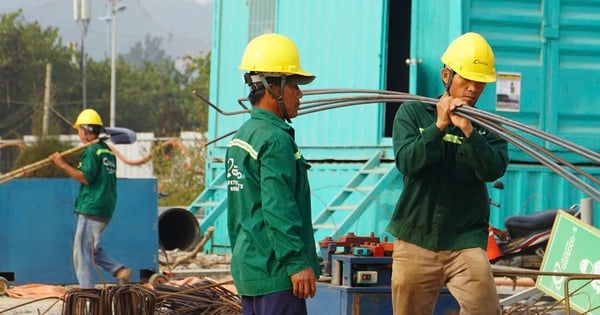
95	203
274	260
440	222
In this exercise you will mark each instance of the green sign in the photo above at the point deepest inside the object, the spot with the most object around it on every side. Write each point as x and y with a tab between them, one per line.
573	247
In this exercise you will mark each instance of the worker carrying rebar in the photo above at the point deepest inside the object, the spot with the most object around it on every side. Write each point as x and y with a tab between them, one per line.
95	203
274	260
440	222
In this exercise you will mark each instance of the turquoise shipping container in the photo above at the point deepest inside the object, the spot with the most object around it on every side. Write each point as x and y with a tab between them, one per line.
547	59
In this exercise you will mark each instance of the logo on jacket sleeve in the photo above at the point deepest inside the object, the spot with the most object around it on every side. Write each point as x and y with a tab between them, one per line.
234	176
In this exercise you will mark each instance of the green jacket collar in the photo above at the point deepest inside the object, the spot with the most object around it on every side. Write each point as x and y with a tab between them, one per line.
263	114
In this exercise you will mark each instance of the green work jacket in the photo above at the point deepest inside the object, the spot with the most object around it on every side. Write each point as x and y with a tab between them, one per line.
269	209
99	167
444	204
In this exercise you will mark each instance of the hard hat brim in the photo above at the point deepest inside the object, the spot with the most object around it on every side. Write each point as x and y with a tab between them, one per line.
300	79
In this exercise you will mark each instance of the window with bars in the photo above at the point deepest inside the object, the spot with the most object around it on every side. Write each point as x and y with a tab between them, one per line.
262	17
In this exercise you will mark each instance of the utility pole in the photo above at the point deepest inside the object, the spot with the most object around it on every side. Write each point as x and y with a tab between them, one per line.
82	10
113	70
47	92
113	67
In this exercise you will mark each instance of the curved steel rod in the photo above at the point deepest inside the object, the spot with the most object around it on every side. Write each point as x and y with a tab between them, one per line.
215	107
354	100
577	182
583	151
383	96
220	137
514	135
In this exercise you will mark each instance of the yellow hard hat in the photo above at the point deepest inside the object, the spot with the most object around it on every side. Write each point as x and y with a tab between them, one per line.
274	54
88	117
471	57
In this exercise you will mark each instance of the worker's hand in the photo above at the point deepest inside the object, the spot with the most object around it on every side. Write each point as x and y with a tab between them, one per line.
446	115
57	158
443	119
304	284
461	122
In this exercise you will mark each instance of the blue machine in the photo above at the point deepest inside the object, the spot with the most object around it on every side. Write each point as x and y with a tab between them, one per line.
38	225
361	285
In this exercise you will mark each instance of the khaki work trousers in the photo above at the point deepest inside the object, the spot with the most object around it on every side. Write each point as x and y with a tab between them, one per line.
419	274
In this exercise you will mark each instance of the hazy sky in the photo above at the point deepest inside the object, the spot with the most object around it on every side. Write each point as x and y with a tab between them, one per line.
183	25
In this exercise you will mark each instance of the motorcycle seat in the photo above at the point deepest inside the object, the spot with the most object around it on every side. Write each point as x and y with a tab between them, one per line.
524	225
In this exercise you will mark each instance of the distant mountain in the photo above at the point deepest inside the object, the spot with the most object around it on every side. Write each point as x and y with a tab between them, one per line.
184	26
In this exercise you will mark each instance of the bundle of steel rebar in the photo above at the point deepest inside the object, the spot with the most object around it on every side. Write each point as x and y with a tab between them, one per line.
128	299
204	297
493	123
82	302
124	299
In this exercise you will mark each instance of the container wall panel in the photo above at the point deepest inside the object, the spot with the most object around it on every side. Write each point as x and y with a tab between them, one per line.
513	29
531	188
554	46
350	41
351	37
575	115
229	39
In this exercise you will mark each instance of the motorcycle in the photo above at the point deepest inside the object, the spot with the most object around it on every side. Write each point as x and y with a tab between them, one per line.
524	241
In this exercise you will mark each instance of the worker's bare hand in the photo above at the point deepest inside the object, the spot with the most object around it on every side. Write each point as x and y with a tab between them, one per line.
443	119
461	122
304	284
57	158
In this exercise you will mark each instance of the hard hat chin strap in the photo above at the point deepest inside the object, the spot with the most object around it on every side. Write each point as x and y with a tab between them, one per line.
448	83
279	97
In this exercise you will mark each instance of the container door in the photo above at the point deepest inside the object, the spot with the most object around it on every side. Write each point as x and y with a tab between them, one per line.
548	61
433	25
547	56
574	38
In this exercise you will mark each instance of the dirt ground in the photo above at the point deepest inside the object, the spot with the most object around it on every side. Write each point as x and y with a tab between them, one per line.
215	267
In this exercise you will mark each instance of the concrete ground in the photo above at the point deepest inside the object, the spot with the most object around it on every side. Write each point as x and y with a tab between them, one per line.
12	306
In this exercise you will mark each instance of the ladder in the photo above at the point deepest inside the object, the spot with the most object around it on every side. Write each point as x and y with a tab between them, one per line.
211	203
353	199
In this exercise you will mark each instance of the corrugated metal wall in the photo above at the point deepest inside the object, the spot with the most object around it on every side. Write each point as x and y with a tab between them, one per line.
532	188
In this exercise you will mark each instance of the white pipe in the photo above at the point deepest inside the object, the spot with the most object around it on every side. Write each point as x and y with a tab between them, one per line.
587	211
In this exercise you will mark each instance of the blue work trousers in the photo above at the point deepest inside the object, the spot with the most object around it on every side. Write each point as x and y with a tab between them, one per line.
87	252
279	303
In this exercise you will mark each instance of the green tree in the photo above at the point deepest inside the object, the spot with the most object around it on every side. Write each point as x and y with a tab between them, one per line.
149	51
153	92
162	94
25	49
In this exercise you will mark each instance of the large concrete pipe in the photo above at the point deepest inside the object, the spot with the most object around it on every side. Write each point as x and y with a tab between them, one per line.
177	228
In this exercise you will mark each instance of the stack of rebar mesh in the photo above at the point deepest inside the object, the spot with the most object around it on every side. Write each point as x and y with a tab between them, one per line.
494	123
